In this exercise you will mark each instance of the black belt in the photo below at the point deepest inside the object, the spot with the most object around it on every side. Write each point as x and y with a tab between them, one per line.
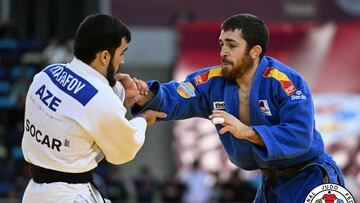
285	172
43	175
273	175
292	171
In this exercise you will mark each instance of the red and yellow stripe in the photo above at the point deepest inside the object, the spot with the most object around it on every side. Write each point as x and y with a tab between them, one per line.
285	82
204	77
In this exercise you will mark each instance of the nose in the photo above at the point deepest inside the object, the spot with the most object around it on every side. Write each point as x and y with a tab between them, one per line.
223	52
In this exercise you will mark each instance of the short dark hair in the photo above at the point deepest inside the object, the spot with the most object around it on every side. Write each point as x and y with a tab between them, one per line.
96	33
253	29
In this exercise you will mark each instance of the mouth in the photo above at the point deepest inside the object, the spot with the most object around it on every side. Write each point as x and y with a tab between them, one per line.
225	62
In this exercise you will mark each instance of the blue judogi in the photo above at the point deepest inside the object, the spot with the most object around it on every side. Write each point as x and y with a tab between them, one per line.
281	112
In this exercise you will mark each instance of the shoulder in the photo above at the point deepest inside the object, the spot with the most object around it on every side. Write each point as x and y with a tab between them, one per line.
284	76
107	96
206	75
275	66
105	106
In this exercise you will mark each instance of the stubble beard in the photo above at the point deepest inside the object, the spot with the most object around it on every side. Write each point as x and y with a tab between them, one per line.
236	72
110	76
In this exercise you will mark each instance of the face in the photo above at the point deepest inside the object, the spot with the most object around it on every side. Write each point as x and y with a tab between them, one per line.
234	54
115	61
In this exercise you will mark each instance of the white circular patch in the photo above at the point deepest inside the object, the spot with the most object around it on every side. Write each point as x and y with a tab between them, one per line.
329	193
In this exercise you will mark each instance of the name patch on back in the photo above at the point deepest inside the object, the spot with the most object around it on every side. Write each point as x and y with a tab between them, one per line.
71	83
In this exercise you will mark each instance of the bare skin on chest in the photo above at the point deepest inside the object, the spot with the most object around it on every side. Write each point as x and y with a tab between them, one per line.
244	105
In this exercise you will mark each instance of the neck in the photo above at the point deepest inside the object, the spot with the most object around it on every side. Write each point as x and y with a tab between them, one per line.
98	67
245	80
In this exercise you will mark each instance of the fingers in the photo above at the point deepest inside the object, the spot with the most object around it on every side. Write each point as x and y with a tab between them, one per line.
151	116
122	76
218	117
155	114
129	82
160	114
151	121
142	86
224	130
137	82
217	113
139	86
126	81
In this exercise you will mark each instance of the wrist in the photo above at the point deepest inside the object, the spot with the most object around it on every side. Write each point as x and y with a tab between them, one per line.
145	99
254	137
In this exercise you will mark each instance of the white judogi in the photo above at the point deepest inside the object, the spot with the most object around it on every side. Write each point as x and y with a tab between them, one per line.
73	119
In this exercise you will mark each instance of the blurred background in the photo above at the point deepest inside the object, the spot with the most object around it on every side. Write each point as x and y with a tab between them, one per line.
184	161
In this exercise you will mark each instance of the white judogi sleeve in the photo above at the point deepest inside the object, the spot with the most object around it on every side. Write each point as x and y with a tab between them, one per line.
118	138
119	91
136	122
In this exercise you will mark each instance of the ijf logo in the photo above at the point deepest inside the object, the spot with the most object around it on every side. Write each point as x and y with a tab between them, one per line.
329	193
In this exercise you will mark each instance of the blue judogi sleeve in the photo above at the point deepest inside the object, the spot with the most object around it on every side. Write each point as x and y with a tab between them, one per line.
293	135
178	100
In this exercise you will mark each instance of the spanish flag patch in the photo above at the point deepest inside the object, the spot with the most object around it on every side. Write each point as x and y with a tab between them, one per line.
204	77
285	82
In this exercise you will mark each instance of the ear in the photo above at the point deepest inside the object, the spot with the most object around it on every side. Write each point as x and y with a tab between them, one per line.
104	57
255	51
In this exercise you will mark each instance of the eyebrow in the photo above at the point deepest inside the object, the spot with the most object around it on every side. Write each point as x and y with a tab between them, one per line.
228	40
